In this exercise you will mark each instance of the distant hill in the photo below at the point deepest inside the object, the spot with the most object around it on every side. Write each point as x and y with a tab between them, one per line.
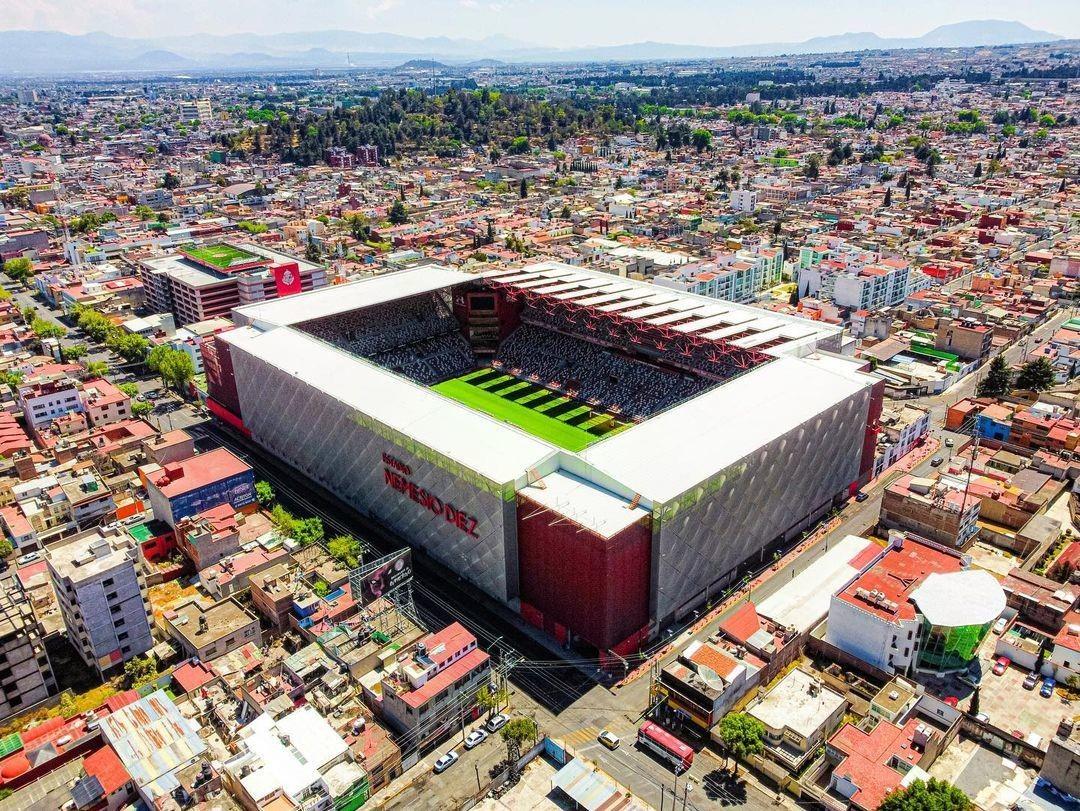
422	64
52	52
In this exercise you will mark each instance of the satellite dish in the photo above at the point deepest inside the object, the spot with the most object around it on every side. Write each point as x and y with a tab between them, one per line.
708	675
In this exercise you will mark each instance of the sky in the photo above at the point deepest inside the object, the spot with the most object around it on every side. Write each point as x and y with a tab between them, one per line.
559	23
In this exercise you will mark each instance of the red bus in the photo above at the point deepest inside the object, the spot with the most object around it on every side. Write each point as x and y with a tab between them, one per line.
666	745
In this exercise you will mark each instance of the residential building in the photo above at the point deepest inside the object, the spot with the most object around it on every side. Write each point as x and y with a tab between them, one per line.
902	429
26	676
703	683
102	597
207	632
935	508
799	714
181	489
431	690
298	760
967	338
196	110
871	761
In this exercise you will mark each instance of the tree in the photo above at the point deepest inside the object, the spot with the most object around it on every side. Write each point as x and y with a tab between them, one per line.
973	706
358	226
312	251
264	493
132	348
140	671
75	351
345	549
701	139
813	166
130	389
97	368
935	795
1038	375
523	189
141	409
282	520
743	735
5	547
144	213
998	379
565	213
485	700
398	214
978	169
519	146
19	268
321	588
307	531
514	734
888	197
170	181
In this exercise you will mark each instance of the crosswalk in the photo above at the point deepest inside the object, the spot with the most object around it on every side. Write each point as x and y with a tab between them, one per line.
580	737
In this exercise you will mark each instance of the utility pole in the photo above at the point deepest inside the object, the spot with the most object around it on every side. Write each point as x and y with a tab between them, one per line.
478	786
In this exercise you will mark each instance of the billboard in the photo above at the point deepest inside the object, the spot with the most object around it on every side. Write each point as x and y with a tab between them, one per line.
287	279
382	577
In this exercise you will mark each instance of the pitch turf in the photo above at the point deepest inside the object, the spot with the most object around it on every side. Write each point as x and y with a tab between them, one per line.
546	415
221	255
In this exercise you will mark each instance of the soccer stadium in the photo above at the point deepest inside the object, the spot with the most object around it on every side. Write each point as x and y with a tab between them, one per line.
598	453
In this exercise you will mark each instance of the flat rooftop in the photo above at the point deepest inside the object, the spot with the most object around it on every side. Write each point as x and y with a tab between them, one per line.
223	618
799	702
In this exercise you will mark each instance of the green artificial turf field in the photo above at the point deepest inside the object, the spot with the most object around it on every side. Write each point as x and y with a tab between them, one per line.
220	255
545	414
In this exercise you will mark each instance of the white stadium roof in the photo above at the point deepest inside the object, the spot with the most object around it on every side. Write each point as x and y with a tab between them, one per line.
344	298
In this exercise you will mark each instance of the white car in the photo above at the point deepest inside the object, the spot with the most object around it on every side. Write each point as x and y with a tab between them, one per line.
497	722
446	761
475	738
29	557
608	739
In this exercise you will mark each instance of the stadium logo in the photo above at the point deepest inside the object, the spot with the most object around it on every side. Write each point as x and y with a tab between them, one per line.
429	501
288	278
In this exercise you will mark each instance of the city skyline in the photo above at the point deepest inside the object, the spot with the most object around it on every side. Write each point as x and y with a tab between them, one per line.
530	23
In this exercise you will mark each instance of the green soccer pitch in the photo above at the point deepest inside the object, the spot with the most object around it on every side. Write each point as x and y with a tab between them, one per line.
220	255
545	414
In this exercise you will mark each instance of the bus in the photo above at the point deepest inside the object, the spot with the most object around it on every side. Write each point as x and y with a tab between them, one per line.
667	746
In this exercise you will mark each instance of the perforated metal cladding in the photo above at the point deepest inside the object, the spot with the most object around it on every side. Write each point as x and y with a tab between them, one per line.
709	530
318	435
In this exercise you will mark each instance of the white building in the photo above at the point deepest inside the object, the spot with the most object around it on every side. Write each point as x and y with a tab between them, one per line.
196	110
744	200
799	714
299	757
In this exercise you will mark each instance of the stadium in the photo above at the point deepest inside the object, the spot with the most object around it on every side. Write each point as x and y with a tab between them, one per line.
597	453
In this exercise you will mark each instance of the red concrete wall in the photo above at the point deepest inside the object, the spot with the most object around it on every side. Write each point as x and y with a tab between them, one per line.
220	380
877	400
574	581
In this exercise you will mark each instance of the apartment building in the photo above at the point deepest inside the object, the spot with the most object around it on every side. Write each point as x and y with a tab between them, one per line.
102	597
737	276
207	632
196	110
967	338
26	676
933	508
436	685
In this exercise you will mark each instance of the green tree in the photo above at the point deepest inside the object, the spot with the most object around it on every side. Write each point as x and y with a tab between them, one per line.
75	351
144	213
523	189
321	588
812	168
312	251
130	389
358	226
935	795
170	181
1037	375
701	139
398	214
5	547
264	493
515	734
97	368
743	735
998	379
19	268
141	409
132	348
519	146
345	549
282	519
308	531
139	672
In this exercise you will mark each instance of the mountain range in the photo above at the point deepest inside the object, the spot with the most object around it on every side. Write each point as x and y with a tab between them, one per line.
53	52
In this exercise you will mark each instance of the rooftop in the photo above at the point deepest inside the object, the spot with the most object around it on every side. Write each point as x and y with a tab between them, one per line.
177	478
799	702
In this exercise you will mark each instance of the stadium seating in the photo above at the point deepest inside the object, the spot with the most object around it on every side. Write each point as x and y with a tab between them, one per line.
597	375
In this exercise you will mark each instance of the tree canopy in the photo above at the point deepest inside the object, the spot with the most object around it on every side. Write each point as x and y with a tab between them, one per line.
935	795
1037	375
998	379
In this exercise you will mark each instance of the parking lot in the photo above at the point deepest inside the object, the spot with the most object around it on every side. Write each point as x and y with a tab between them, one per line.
1010	707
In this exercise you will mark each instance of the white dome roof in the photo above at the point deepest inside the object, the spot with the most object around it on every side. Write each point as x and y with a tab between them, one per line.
970	597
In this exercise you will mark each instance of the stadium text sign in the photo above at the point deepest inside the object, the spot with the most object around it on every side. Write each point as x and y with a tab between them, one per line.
396	474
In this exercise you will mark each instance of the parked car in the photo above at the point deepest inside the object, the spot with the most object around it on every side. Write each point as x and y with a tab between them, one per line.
936	461
1001	664
1030	681
496	722
1047	689
446	761
999	626
475	738
949	442
861	497
608	739
29	557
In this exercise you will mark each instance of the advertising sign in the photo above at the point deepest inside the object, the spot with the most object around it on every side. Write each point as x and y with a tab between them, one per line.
387	574
287	279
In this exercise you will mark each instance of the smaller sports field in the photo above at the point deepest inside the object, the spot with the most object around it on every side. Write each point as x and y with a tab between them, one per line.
546	414
220	255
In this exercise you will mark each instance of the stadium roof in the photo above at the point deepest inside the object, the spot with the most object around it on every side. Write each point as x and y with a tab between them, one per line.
677	449
585	503
713	319
344	298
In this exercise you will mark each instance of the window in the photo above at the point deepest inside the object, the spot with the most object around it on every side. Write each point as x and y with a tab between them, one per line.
122	636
